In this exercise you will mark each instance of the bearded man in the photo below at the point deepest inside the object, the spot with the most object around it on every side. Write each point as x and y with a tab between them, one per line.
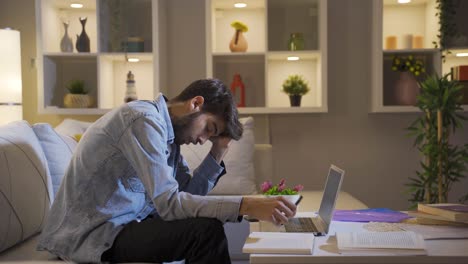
128	195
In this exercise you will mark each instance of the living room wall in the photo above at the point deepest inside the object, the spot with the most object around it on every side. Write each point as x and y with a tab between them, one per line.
373	148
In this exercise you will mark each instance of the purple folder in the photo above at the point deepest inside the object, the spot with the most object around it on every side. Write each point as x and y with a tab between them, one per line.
370	215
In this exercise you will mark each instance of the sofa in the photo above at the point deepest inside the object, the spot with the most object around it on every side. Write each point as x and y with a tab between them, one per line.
33	159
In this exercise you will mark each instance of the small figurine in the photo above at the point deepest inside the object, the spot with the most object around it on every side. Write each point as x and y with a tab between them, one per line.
130	92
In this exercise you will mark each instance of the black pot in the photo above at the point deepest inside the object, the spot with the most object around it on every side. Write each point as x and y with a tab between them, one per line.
295	100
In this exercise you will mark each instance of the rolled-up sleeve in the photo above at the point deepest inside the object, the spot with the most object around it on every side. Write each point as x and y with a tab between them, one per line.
144	144
205	176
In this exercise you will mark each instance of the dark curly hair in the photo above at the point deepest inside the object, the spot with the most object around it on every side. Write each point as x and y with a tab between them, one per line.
218	101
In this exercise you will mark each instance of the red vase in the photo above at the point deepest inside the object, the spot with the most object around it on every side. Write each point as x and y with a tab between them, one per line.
238	90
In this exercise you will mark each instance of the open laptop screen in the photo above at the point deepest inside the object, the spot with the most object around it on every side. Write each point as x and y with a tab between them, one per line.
330	194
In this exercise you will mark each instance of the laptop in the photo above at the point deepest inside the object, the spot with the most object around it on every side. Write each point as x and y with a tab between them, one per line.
320	224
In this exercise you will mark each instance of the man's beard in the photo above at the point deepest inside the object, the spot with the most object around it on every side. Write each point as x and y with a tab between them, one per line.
183	127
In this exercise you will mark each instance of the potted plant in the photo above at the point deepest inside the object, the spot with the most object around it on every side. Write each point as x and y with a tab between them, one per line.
238	42
444	163
295	86
78	96
292	194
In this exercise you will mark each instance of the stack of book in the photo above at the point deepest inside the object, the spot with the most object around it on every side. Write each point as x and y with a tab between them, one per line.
460	73
441	214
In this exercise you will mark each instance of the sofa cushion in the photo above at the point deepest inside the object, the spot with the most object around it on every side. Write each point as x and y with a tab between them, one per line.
57	149
71	127
25	184
239	178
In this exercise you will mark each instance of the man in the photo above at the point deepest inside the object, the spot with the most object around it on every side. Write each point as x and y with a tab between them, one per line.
127	195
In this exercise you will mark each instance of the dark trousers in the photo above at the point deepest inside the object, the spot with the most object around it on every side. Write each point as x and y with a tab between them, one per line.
197	240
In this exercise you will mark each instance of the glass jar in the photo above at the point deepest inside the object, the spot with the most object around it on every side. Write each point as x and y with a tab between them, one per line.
296	41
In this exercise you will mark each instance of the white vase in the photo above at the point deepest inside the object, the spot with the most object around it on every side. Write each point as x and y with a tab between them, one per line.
66	44
292	198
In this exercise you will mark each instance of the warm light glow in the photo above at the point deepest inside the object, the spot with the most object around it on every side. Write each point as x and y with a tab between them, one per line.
76	5
10	76
403	1
462	54
293	58
240	5
133	60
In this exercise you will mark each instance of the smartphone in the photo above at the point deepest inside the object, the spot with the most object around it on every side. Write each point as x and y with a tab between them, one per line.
298	200
250	219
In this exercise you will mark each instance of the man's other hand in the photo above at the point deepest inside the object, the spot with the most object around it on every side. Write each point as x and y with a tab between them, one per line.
276	210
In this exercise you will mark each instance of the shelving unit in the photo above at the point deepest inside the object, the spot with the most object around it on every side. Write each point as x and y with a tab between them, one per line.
264	66
403	21
104	69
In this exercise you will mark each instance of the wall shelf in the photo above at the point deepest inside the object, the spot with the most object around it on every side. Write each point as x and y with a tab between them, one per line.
405	23
110	25
264	66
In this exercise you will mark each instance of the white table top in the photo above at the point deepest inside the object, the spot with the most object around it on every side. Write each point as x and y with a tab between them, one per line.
326	251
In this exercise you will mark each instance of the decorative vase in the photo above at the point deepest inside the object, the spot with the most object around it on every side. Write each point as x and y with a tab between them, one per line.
82	40
296	42
406	89
295	99
238	42
77	101
66	44
238	90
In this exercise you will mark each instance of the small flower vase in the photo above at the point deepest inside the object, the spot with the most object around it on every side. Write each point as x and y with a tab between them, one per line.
66	44
82	40
296	42
238	42
406	89
295	100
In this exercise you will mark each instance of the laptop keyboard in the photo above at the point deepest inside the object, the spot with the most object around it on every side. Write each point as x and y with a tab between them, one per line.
300	225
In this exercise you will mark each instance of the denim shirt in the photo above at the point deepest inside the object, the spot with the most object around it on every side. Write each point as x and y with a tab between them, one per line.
125	168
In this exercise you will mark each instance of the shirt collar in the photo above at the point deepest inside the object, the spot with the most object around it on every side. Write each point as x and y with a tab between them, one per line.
161	105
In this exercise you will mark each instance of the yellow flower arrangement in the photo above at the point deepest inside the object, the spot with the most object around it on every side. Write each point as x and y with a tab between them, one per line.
240	26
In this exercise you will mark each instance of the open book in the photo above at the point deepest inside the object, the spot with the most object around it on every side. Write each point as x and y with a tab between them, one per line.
381	243
279	243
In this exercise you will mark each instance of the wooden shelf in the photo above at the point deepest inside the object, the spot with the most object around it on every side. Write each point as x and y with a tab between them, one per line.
262	69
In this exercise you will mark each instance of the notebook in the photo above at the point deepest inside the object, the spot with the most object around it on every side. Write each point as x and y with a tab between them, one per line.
279	243
320	224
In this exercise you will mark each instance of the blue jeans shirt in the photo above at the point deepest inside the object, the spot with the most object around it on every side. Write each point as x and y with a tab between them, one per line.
125	168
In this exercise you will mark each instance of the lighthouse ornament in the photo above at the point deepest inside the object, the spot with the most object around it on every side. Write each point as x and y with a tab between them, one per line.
130	92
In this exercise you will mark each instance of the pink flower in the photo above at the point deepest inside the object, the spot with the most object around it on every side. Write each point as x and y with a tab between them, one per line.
282	182
281	187
266	186
298	188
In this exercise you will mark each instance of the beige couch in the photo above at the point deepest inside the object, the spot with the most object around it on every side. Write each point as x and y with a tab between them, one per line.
26	189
